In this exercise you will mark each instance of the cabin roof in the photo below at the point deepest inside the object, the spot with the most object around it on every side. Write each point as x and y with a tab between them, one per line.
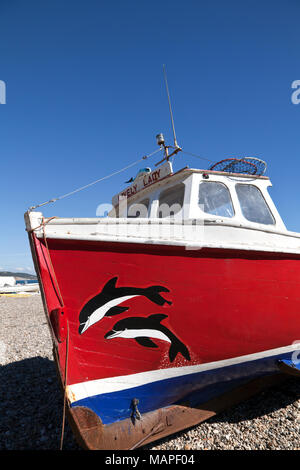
132	193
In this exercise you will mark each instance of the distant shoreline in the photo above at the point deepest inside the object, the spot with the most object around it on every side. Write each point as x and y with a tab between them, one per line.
18	276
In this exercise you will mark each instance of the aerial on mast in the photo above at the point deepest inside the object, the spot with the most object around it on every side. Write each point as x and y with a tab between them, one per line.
160	138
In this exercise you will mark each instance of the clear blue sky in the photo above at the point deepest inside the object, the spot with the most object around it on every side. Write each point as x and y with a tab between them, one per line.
86	96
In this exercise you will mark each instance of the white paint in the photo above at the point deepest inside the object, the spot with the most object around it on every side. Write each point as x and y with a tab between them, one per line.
131	333
83	390
195	234
98	314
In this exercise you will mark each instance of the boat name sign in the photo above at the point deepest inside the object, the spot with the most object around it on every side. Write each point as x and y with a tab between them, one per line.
143	181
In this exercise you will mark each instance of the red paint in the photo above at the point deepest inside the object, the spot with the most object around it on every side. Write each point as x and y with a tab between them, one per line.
225	303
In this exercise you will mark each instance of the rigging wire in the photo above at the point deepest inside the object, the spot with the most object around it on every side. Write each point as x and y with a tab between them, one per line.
97	181
111	175
197	156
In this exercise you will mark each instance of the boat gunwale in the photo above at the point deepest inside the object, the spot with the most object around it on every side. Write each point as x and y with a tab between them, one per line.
218	222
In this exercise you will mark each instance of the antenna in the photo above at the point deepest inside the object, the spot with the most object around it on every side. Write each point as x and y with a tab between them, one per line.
160	137
172	120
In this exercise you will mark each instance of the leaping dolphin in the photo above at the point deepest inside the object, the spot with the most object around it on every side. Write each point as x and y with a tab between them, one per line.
142	329
106	302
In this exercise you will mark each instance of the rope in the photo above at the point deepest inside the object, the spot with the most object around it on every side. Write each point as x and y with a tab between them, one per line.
65	390
52	268
95	182
44	222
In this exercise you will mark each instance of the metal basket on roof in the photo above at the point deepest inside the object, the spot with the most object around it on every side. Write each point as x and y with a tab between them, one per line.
245	165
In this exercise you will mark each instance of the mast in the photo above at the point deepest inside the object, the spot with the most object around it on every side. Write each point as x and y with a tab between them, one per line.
160	138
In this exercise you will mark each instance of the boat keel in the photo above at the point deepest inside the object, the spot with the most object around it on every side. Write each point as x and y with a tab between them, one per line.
130	434
289	367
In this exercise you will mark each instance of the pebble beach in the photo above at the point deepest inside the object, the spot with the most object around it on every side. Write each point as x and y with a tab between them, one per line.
31	405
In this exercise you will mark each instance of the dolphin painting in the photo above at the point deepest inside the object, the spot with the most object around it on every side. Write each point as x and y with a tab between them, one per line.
142	329
106	303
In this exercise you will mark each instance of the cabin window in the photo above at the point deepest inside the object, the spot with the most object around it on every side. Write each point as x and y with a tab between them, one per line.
253	204
214	198
171	201
138	209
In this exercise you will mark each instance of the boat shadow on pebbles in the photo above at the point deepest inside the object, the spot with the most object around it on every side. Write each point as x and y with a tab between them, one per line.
273	399
31	411
255	410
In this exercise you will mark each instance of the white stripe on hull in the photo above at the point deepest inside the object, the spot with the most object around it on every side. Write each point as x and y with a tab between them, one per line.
83	390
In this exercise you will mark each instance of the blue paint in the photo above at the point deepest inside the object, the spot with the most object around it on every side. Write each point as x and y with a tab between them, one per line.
291	363
195	388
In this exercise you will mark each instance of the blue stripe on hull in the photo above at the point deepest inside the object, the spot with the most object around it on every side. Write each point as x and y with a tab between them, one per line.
195	388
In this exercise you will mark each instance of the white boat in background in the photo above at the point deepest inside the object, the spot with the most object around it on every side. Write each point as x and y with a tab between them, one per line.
7	281
18	289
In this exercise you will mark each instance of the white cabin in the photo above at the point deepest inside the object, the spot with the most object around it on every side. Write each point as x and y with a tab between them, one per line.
199	194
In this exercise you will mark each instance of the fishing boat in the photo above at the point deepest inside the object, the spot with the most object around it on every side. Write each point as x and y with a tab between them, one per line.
182	301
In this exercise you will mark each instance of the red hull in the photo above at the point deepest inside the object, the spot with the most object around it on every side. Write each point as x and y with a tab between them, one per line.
225	303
